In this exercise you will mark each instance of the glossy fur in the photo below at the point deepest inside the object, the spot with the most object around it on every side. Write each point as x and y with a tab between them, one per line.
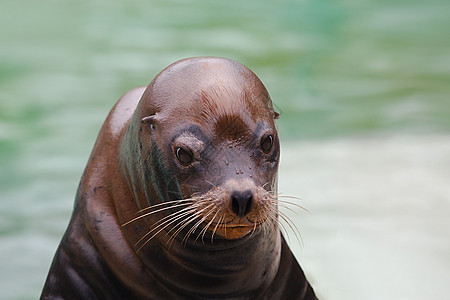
202	131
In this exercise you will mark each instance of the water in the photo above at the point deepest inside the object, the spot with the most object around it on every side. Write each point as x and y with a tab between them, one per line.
378	223
362	87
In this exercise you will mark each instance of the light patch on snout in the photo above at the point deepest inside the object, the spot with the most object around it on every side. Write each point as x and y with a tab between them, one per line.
240	185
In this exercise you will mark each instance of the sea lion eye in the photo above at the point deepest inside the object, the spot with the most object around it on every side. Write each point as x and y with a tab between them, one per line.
267	143
183	156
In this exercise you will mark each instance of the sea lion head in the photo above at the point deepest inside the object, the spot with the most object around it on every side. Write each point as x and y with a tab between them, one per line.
208	147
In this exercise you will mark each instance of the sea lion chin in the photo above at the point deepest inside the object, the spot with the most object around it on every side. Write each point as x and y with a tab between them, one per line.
179	197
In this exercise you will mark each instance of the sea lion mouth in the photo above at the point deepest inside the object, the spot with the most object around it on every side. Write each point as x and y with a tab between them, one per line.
235	232
232	230
233	224
239	226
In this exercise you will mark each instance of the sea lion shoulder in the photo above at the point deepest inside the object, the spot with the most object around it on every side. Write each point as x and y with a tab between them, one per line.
123	110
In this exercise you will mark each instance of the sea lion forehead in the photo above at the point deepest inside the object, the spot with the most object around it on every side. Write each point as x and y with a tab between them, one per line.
214	93
184	82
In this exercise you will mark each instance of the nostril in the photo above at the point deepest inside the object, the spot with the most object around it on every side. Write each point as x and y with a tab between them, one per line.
241	202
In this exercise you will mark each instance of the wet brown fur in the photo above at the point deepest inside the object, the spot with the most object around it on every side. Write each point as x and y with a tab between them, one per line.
146	227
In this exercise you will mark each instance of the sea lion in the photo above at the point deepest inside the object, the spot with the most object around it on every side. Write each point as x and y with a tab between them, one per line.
179	197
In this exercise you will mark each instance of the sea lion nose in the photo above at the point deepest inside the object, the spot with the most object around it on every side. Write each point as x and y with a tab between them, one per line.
241	202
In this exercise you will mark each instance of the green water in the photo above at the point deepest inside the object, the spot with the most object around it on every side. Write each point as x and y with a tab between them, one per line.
352	71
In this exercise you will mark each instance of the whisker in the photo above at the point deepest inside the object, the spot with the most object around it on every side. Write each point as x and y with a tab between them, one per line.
293	204
215	228
186	222
153	212
254	227
193	206
207	226
263	186
293	227
186	237
281	227
288	196
196	212
207	181
268	222
282	205
273	215
191	199
181	226
164	227
279	201
174	216
288	205
167	220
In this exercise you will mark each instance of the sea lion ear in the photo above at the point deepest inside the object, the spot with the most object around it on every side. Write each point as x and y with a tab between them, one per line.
149	120
276	115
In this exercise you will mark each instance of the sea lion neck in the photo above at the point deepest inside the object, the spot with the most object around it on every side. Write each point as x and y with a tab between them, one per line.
244	267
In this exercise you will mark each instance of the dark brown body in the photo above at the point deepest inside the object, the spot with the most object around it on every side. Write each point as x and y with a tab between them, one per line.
226	244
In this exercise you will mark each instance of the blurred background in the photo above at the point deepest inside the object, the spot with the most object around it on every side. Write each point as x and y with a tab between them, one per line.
362	87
